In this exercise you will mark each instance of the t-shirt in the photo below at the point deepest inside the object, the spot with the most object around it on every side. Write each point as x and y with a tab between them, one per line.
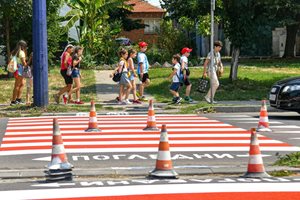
123	65
63	66
20	56
142	59
184	60
76	57
217	60
175	77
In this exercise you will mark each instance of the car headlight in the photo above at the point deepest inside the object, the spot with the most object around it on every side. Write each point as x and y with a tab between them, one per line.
290	88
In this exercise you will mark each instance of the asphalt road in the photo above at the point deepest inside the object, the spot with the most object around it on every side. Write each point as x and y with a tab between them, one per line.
285	126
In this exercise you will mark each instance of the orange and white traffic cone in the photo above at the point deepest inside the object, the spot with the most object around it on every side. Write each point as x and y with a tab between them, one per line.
256	167
59	158
93	124
59	168
164	167
151	121
263	124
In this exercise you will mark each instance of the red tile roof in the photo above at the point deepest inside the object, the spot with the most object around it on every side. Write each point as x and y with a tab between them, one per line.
142	6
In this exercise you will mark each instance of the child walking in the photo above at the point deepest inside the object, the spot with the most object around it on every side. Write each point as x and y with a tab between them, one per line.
76	59
142	70
184	66
131	55
125	85
175	75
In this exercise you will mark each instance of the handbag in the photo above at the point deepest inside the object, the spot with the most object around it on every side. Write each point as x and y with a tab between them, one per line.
220	71
117	75
69	70
203	83
27	72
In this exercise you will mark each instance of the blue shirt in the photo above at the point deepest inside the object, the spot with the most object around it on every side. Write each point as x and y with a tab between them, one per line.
142	59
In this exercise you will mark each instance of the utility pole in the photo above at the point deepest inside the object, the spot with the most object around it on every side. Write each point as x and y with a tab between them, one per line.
211	47
40	54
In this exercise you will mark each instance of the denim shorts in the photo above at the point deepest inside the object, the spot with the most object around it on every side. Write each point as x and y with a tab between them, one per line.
75	73
175	86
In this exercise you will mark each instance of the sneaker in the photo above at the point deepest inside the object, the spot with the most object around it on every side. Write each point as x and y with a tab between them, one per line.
120	102
136	102
143	98
65	99
127	102
178	100
19	101
56	98
71	101
207	99
188	99
13	103
174	99
79	102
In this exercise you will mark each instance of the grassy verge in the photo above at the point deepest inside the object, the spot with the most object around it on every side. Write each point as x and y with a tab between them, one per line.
292	160
56	82
255	78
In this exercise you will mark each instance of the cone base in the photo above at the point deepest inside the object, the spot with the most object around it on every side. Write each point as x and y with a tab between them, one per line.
256	175
63	177
163	174
263	129
151	129
92	130
60	166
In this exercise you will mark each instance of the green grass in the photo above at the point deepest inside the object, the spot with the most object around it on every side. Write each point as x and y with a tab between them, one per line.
56	82
292	160
282	173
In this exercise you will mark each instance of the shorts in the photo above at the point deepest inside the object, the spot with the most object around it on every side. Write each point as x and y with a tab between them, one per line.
131	77
187	81
145	77
19	71
175	86
124	79
75	73
68	79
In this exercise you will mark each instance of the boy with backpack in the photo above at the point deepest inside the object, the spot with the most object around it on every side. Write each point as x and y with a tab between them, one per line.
176	76
185	52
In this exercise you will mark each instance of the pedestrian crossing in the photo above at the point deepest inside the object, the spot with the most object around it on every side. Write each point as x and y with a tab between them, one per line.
33	135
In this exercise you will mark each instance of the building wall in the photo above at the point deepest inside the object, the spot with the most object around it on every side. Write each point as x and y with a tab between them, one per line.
139	34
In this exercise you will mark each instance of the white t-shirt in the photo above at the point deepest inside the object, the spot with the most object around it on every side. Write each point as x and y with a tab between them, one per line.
217	60
142	58
121	64
175	77
20	56
184	60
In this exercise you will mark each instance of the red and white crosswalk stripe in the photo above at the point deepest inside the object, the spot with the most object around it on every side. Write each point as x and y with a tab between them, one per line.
220	191
33	135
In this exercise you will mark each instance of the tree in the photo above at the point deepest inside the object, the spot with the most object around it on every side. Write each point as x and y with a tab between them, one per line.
287	13
92	17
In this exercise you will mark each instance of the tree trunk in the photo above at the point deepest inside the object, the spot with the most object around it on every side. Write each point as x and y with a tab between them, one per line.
289	51
7	38
234	63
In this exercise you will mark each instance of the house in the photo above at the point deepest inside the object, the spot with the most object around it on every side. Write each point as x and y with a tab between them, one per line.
149	15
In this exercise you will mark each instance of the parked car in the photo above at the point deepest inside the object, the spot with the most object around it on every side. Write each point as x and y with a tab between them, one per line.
124	41
285	94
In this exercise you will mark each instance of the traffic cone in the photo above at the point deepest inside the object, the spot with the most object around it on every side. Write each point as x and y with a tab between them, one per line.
256	167
164	167
263	124
151	121
93	125
59	168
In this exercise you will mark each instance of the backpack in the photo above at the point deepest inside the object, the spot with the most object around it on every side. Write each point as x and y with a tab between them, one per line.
12	65
180	76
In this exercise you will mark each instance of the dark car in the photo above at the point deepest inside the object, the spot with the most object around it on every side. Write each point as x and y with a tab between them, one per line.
285	94
124	41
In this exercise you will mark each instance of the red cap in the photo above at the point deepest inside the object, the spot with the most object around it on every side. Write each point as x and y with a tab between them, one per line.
142	44
186	50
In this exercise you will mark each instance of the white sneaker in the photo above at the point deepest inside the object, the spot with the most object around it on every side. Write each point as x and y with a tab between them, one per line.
128	102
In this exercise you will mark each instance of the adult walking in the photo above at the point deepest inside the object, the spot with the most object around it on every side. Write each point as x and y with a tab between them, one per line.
66	60
214	73
20	53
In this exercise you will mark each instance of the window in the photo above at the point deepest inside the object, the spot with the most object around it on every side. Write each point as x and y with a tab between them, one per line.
152	25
